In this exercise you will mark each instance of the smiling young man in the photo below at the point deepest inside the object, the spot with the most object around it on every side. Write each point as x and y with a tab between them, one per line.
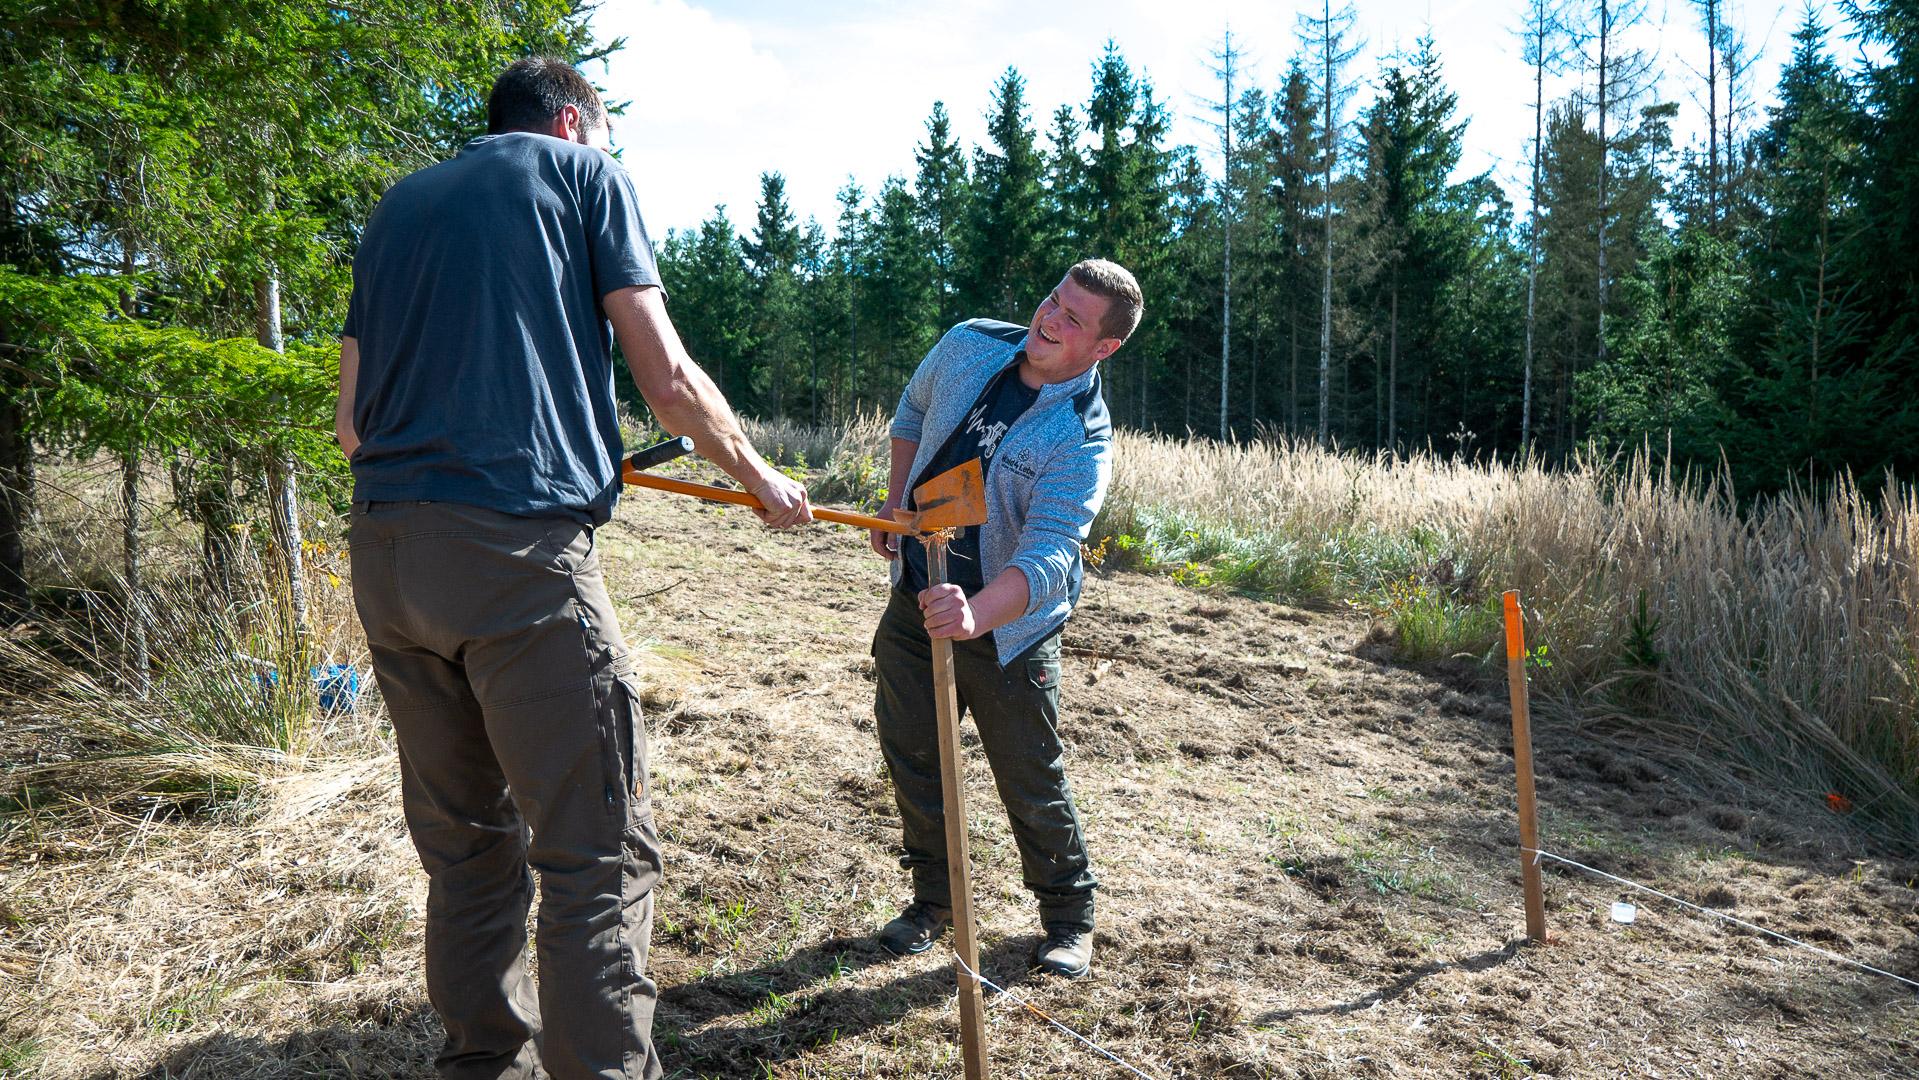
1026	402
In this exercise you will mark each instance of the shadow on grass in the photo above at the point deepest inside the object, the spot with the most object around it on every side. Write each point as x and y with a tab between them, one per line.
386	1040
776	1012
765	1016
1398	987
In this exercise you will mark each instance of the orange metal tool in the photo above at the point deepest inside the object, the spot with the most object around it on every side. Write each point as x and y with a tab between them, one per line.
741	498
953	499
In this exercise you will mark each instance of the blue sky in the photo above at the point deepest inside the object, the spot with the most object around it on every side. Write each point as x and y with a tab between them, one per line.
722	91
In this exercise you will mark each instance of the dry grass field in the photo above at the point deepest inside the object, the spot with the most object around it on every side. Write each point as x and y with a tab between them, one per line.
1301	809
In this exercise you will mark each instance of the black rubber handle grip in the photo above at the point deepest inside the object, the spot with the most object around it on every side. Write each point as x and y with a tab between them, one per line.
661	453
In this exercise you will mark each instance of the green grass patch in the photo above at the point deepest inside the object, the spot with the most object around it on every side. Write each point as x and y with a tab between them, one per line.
19	1057
1202	551
1414	581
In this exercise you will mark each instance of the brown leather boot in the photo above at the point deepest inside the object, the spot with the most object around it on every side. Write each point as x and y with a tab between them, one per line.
916	929
1067	950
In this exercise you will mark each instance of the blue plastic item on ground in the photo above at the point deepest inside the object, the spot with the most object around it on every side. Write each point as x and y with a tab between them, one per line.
338	685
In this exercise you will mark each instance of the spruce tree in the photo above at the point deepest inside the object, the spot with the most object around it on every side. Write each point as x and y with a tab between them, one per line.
772	255
1068	206
1812	391
1543	38
849	261
1007	263
711	294
941	193
1124	206
1885	263
902	309
1295	163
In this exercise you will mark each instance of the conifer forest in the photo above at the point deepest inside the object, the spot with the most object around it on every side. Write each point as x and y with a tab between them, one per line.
183	185
1748	301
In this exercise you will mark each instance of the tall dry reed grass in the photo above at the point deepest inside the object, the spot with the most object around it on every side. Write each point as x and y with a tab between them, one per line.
228	698
1780	637
855	458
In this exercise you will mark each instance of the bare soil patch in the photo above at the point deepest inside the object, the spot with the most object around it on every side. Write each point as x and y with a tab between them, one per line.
1308	856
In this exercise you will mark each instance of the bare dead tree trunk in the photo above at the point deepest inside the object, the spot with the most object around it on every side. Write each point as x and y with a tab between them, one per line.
1392	371
1326	255
16	495
1712	112
1189	391
1605	35
1252	371
283	492
1225	68
1229	63
1327	34
138	662
1819	295
1292	378
1539	29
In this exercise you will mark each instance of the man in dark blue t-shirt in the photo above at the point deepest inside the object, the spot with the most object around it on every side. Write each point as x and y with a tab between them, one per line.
476	405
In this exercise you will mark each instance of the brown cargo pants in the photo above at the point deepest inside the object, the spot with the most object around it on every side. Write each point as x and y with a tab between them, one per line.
1016	712
521	746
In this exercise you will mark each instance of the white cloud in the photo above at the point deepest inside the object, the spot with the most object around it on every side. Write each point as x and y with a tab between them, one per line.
682	66
695	87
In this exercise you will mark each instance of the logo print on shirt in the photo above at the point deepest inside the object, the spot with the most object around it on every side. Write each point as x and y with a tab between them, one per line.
989	434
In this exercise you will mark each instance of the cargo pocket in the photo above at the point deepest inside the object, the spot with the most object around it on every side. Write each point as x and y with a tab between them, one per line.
631	720
1043	672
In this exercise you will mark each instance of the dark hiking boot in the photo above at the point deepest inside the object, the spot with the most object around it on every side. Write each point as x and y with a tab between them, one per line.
917	928
1067	950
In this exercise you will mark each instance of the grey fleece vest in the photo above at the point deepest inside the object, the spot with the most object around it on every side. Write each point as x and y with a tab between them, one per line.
1048	479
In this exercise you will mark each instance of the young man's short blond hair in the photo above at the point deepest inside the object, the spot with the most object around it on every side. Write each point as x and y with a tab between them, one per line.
1125	303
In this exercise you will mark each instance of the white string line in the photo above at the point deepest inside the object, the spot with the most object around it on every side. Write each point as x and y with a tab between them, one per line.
1830	955
984	981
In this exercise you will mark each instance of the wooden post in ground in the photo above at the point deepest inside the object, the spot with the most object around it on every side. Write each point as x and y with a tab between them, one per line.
959	861
1523	765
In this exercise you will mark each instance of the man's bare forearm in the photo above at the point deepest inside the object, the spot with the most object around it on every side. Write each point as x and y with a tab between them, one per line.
1001	601
903	452
681	395
687	403
343	407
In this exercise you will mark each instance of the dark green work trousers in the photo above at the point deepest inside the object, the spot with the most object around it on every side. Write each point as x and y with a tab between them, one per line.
521	746
1016	711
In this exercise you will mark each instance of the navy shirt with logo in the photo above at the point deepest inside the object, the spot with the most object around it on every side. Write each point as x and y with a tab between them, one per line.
486	372
1004	399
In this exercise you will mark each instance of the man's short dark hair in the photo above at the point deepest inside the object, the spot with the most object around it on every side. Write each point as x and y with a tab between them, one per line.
1124	302
531	92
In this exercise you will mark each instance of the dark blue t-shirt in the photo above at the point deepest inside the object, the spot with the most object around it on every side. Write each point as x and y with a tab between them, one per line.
486	372
1005	398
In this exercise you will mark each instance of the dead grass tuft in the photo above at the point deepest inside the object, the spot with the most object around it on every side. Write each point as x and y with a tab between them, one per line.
228	699
293	912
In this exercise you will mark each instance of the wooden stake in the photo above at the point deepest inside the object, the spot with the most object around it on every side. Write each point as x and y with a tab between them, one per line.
959	861
1523	765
